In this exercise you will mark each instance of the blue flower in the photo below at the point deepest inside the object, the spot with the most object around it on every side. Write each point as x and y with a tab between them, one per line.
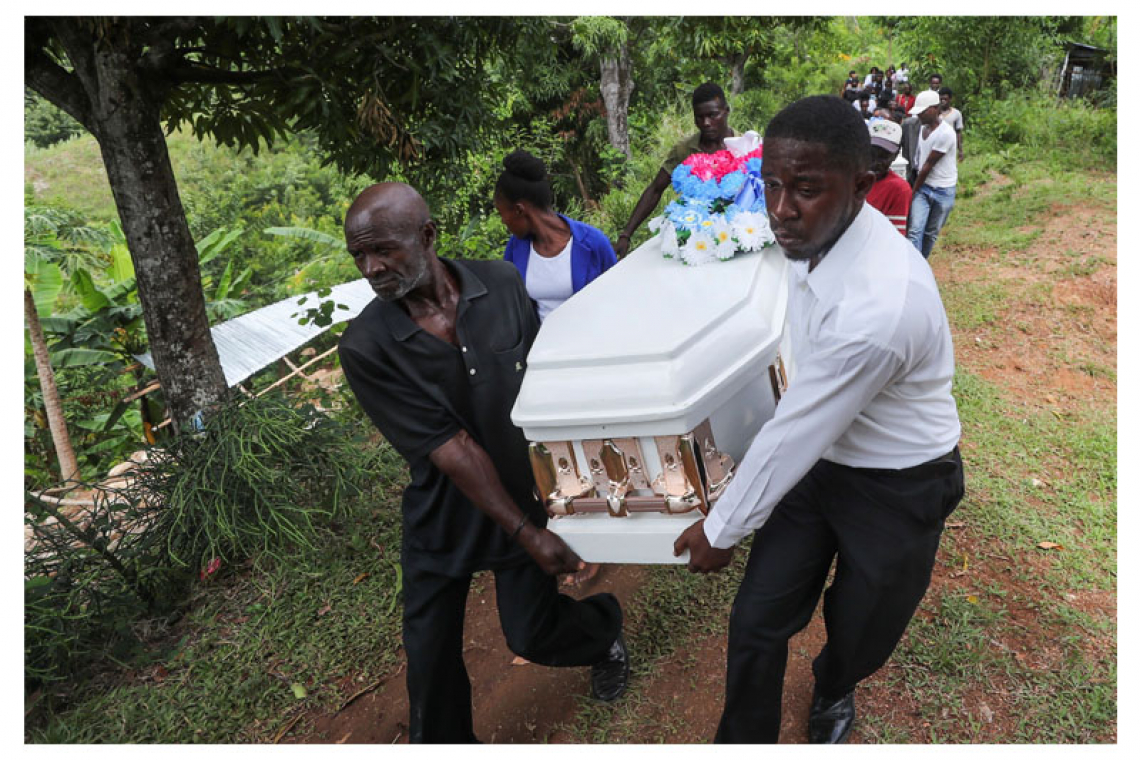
730	184
753	165
679	175
708	190
690	187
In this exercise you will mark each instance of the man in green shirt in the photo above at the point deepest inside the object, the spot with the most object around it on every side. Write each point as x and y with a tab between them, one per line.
710	114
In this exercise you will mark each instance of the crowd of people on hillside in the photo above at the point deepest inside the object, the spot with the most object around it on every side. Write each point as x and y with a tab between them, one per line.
928	135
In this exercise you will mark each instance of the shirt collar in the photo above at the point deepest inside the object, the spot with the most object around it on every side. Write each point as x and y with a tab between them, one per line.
403	327
827	279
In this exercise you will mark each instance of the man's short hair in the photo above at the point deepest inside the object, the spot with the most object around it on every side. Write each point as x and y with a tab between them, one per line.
935	76
945	91
708	91
829	121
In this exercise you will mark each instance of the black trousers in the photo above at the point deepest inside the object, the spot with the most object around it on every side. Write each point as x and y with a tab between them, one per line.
540	624
884	525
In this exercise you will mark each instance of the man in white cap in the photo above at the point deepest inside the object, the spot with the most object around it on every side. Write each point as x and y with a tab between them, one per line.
937	180
890	194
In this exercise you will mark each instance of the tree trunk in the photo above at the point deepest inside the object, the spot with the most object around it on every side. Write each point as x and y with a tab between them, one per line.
53	407
115	87
617	84
126	122
736	72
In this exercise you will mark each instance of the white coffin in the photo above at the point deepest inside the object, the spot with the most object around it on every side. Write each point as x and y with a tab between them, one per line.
651	349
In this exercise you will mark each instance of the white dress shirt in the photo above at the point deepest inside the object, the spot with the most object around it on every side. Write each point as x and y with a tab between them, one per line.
870	386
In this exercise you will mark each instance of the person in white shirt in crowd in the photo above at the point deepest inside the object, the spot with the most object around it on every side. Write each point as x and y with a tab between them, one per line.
902	74
951	115
935	185
935	82
860	460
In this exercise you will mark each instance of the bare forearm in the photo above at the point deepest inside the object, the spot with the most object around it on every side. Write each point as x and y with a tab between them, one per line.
934	157
470	468
646	203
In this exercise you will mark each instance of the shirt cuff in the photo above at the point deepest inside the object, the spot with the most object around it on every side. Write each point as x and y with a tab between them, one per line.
720	534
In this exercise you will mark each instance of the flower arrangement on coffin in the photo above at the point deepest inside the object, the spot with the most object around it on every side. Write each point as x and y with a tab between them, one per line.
720	208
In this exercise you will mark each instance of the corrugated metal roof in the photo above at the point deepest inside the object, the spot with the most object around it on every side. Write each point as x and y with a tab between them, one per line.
255	340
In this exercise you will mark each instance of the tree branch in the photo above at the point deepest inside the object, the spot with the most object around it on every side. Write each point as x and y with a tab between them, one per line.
62	89
198	73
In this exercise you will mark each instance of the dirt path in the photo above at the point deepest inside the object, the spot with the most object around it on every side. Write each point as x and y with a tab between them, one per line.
514	703
1052	346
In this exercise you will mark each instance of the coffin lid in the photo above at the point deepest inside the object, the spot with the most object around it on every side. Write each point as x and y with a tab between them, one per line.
651	340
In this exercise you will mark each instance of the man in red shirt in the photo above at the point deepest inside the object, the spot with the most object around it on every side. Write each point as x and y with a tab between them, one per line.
890	194
903	98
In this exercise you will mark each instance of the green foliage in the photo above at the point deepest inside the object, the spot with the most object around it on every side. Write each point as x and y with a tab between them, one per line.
252	482
316	617
263	480
599	35
1033	122
44	124
1002	54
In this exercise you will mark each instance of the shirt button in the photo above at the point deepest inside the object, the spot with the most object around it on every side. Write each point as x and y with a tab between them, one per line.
472	370
464	349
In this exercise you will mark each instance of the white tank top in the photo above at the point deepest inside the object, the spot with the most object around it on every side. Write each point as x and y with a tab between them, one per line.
549	280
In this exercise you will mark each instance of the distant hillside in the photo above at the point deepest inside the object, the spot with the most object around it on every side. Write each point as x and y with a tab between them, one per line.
71	174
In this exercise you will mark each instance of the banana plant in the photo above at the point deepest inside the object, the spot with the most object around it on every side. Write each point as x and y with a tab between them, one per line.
221	303
330	249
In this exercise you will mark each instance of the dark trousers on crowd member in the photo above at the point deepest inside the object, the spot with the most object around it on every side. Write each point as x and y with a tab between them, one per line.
539	624
884	526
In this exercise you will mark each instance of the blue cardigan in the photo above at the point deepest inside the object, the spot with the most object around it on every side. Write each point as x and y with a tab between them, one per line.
590	255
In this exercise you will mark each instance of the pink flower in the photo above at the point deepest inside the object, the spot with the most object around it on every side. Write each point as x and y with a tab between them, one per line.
210	568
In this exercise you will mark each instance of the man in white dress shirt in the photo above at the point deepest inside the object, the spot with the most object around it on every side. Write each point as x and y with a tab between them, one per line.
860	461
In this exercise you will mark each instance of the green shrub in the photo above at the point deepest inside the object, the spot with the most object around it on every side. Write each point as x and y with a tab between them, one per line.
1073	133
262	478
254	481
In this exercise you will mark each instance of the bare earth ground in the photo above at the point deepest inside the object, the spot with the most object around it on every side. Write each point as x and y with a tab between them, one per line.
1057	326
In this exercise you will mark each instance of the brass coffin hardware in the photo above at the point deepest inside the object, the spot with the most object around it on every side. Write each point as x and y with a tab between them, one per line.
718	467
778	377
673	482
690	450
554	462
693	475
597	470
609	473
631	452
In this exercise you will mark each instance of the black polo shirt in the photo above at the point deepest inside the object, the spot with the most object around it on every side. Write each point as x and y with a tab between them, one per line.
420	391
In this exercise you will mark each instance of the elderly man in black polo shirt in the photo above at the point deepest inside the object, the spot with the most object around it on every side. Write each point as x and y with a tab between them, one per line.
436	361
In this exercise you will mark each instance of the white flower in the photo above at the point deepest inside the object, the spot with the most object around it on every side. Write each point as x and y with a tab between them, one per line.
699	249
753	231
722	234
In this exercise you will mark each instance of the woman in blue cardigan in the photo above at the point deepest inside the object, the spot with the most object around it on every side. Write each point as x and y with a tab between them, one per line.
556	256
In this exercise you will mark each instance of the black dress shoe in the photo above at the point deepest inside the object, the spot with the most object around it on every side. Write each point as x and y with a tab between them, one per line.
831	720
610	675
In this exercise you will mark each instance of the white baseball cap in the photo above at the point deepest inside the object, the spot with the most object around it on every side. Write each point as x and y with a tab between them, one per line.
885	133
925	99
